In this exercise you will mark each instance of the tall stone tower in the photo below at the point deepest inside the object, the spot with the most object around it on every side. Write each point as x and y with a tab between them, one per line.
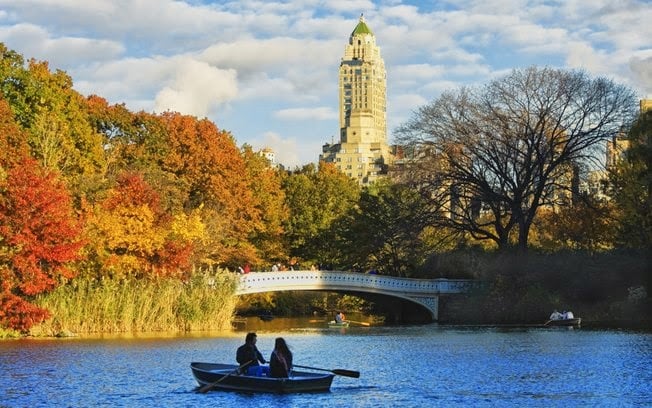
362	152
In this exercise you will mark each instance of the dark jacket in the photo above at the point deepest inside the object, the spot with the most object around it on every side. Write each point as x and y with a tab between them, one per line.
249	352
280	366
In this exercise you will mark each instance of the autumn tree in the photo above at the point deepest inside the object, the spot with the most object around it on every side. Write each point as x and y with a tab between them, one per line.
586	225
208	160
52	113
131	234
492	156
39	237
13	141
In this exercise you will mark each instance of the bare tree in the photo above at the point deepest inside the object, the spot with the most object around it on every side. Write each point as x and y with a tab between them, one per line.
492	156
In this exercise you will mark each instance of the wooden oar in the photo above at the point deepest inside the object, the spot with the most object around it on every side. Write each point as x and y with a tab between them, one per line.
336	371
208	387
361	323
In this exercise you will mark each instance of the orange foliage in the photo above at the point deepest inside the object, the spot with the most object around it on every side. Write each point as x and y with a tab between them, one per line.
13	142
210	162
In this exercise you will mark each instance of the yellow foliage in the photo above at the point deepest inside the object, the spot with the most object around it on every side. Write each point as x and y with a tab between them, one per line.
189	227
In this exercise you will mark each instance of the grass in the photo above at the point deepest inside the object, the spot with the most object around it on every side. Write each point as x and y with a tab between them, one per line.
205	301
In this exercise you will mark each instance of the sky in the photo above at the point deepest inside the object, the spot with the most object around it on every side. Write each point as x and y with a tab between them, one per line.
266	71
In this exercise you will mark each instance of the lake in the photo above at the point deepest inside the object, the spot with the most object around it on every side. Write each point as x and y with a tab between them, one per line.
406	366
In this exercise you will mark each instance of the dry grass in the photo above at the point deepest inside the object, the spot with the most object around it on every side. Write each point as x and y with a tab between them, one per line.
86	305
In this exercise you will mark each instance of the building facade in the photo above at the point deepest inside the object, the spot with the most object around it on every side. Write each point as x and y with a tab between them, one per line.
362	152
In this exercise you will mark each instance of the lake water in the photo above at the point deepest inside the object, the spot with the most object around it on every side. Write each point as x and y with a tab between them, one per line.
413	366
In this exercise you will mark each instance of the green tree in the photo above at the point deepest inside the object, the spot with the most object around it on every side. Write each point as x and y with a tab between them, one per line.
631	186
317	198
269	199
388	231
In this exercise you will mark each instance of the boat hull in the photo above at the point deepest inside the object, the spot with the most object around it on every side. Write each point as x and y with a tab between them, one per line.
565	322
333	324
209	373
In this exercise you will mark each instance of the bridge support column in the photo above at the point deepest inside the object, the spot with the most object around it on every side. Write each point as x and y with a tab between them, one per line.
432	303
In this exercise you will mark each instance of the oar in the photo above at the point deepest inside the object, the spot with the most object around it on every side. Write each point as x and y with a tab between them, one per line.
361	323
336	371
208	387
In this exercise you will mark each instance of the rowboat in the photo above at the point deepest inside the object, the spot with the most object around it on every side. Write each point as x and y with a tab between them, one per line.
575	322
224	377
333	324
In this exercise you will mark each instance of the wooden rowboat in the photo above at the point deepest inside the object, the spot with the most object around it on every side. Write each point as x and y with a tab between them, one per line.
224	377
333	324
575	322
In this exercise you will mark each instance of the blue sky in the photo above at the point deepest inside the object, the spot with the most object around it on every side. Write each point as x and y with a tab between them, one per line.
267	70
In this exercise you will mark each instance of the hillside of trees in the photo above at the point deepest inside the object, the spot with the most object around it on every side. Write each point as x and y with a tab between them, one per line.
95	196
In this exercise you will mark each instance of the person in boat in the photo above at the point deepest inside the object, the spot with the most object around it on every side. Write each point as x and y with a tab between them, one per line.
249	357
280	362
556	315
339	317
569	315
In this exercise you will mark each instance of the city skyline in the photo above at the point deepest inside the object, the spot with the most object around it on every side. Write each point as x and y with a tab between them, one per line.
267	71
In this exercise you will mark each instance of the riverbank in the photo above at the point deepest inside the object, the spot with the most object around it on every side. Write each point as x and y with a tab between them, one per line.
203	301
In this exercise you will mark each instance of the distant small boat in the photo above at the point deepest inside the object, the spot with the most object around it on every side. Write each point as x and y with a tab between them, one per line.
333	324
574	322
266	317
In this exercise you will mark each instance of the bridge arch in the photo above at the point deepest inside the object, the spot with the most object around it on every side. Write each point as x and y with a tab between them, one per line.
423	292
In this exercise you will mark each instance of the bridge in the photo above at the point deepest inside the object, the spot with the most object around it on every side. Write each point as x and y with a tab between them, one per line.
423	292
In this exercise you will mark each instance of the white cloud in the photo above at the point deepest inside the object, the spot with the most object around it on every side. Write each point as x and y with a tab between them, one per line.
196	88
289	152
642	70
63	52
277	61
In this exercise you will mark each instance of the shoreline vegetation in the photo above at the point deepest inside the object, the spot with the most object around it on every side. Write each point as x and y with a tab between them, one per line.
204	301
107	215
520	290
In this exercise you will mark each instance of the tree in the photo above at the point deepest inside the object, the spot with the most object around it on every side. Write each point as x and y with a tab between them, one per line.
269	199
631	186
39	237
214	171
386	231
317	198
13	141
51	112
492	156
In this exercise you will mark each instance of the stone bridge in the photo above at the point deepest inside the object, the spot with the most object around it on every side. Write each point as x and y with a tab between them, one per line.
424	292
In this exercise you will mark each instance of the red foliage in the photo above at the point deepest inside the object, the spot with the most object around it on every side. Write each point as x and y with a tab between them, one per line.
19	314
175	256
40	234
133	191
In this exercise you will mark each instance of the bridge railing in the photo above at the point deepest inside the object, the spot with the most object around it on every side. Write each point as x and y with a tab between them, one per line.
339	280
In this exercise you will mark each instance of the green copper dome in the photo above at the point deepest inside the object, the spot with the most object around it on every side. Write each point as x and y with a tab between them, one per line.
362	28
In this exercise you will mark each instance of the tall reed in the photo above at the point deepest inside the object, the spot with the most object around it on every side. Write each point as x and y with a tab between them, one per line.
205	301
